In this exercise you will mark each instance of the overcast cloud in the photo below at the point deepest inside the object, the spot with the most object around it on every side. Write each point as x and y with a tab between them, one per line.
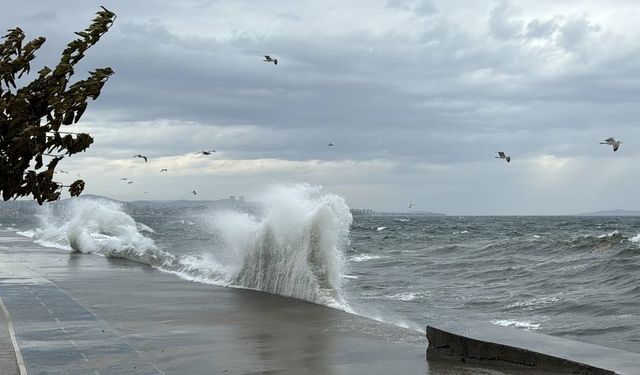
416	95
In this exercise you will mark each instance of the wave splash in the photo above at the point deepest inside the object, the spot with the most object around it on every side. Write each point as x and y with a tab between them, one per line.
90	226
293	248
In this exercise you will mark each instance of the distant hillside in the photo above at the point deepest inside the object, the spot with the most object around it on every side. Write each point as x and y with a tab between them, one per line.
613	213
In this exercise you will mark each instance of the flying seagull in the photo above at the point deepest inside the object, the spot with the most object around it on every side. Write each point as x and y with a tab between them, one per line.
268	58
140	156
410	204
194	192
205	152
62	171
502	155
130	182
164	170
612	142
124	178
330	144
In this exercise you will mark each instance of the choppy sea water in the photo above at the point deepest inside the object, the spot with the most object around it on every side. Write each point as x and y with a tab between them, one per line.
575	277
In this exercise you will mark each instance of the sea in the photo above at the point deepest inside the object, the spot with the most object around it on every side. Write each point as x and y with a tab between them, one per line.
576	277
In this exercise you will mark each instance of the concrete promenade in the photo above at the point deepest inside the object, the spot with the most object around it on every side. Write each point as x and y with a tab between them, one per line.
86	314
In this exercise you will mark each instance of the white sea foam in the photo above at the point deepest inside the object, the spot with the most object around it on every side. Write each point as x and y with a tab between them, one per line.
535	302
610	234
144	228
402	220
26	233
635	239
380	229
364	257
49	242
407	296
181	222
527	326
374	313
87	226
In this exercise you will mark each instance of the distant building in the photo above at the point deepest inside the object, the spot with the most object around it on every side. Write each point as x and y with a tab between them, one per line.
232	197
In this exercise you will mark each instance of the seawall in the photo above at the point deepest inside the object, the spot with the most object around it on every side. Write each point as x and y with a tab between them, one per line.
490	345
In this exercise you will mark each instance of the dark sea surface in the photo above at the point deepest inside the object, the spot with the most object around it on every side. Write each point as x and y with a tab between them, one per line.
575	277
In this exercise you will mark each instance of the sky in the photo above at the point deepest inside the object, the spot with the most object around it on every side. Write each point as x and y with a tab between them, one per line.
416	95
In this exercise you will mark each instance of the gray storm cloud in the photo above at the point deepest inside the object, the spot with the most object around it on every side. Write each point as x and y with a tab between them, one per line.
417	95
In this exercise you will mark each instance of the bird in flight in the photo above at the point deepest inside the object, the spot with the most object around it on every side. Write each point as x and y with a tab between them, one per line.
502	155
410	204
612	142
330	144
205	152
62	171
130	182
140	156
268	58
124	178
164	170
194	192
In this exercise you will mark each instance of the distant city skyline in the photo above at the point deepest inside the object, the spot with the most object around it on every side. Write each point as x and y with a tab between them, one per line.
416	96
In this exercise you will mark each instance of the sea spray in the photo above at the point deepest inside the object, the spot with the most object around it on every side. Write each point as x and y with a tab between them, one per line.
88	226
294	249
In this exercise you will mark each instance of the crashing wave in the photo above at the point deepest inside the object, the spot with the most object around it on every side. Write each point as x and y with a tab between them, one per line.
91	226
294	248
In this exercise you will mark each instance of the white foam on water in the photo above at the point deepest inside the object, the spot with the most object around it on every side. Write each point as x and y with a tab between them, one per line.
144	228
380	229
535	302
44	242
88	225
610	234
402	220
365	257
527	326
407	296
373	313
